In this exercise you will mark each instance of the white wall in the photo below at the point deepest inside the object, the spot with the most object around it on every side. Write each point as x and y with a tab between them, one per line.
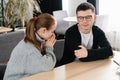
71	5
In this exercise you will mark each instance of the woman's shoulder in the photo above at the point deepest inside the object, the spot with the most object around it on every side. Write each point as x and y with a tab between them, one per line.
24	48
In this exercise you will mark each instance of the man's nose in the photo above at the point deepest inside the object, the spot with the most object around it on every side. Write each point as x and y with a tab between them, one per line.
84	19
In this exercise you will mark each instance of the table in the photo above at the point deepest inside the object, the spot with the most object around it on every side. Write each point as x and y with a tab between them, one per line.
5	29
95	70
70	19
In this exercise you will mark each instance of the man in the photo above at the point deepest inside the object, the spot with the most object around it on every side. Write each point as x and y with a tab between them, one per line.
85	41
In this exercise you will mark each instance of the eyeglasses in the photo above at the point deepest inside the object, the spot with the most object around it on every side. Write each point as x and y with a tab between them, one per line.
87	18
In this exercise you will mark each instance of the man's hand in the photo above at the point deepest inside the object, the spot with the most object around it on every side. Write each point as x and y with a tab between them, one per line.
81	53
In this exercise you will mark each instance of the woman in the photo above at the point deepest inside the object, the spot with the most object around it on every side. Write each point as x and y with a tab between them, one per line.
33	54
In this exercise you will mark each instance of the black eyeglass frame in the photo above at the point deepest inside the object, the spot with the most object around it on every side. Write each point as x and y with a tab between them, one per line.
87	18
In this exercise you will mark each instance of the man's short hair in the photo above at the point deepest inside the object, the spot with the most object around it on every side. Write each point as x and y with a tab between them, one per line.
85	6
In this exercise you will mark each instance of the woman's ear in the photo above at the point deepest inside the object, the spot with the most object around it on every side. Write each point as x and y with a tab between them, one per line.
42	32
